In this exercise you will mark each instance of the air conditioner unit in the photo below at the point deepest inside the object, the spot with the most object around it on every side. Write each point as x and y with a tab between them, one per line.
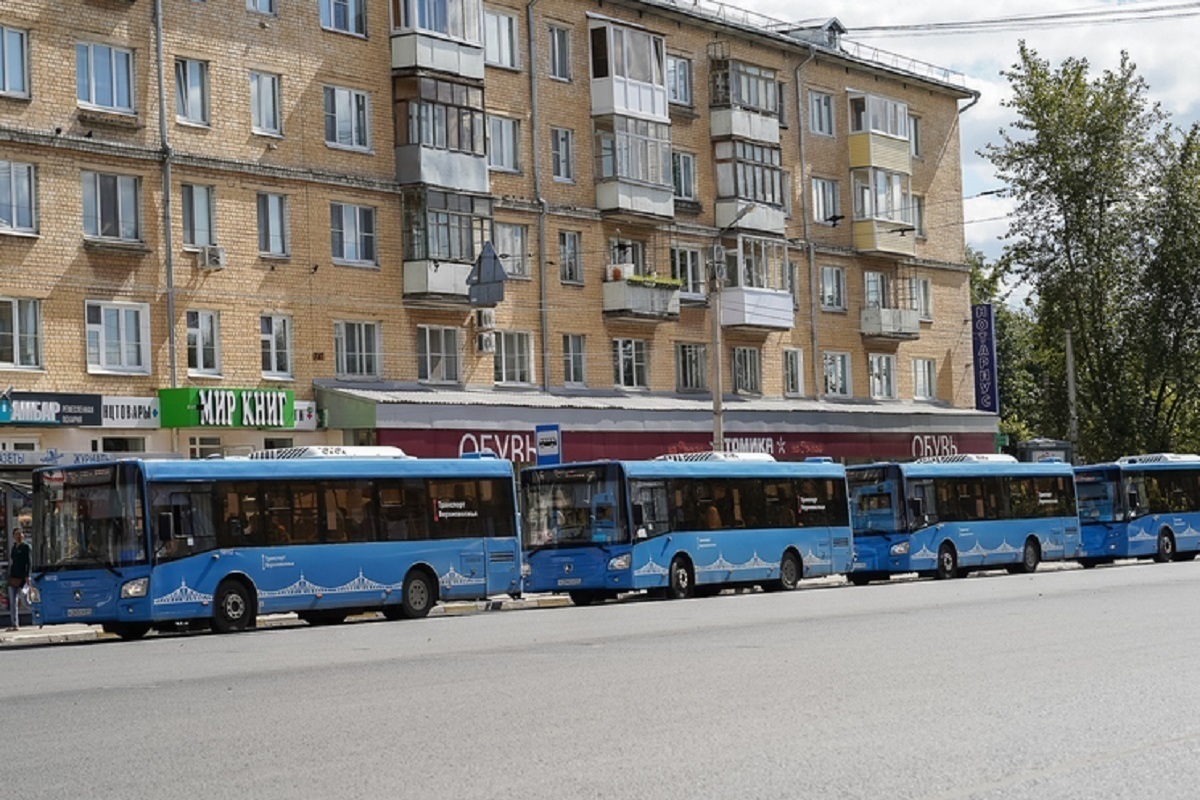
485	342
618	272
485	318
212	257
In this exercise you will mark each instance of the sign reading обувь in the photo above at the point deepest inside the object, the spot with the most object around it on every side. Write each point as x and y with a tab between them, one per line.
226	408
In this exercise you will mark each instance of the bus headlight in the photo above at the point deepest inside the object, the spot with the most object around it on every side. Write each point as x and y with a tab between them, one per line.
899	549
620	562
136	588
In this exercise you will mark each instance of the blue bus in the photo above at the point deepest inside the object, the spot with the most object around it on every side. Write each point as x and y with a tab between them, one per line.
323	532
949	515
1145	506
683	525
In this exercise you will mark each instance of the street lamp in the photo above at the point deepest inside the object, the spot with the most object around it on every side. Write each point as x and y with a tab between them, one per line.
716	277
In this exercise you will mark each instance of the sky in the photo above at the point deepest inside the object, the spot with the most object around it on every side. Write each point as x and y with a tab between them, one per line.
1159	36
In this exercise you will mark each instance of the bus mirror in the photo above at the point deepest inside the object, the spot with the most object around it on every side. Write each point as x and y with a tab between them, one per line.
641	533
166	526
1133	503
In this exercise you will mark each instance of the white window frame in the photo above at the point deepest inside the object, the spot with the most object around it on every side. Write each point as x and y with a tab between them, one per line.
691	367
570	257
199	215
119	62
881	194
271	339
882	371
513	361
500	39
512	245
204	446
881	115
266	107
438	358
920	294
687	266
560	53
833	288
820	113
924	379
836	373
574	359
20	199
273	212
23	342
202	324
125	364
747	370
352	108
683	175
630	364
354	16
192	105
826	201
261	6
349	223
679	80
9	86
129	202
877	290
628	251
504	143
562	154
366	336
793	372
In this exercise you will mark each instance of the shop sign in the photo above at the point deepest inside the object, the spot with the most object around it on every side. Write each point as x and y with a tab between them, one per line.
305	416
129	412
227	408
46	408
549	445
987	382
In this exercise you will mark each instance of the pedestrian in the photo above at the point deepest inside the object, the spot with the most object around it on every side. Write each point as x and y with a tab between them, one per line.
20	564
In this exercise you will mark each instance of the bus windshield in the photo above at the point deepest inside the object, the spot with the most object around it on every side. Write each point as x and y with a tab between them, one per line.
1097	496
572	507
89	518
875	505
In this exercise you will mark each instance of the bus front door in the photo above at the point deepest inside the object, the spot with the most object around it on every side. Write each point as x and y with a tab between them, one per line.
503	566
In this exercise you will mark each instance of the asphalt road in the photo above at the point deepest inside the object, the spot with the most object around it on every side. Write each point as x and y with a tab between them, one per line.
1066	684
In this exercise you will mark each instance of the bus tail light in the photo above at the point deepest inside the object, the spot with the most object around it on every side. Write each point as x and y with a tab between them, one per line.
135	588
619	562
899	549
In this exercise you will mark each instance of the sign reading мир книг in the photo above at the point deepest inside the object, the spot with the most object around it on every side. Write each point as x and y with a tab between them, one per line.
227	408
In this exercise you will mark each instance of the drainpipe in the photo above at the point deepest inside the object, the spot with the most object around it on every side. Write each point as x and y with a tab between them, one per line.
544	321
168	246
813	289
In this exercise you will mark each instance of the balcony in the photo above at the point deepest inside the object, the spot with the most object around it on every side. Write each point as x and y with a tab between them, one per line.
883	236
447	169
436	283
617	195
419	50
733	214
871	149
739	123
639	299
754	307
890	323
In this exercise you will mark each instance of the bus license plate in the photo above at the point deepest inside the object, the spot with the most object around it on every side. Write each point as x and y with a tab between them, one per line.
79	612
569	581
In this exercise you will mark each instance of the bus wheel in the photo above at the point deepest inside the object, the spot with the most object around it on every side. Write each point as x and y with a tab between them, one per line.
583	598
680	576
1088	563
129	631
1031	557
859	578
1166	548
789	572
947	563
418	595
231	608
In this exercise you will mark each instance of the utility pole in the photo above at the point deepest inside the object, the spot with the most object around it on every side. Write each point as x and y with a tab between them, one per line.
1073	423
716	276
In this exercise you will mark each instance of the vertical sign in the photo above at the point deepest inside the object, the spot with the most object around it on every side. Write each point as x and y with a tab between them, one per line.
983	330
549	445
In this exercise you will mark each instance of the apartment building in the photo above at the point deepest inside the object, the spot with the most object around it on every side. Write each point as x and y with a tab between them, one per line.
441	223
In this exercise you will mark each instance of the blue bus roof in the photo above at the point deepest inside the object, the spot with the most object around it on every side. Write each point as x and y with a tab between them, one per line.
713	469
313	468
1147	466
974	469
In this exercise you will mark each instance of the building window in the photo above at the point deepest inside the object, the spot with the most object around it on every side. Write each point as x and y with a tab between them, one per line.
570	266
514	357
14	62
503	144
826	203
352	233
560	53
261	6
918	214
880	194
347	118
633	149
437	354
679	80
456	18
924	379
629	363
883	376
687	267
272	225
204	446
749	172
741	85
574	360
629	253
499	39
820	113
683	175
104	77
562	154
356	348
118	337
110	206
920	293
833	288
441	114
443	225
20	333
264	104
635	56
878	290
275	332
203	343
747	370
793	373
914	137
837	374
191	91
878	115
763	264
511	247
347	16
119	444
781	103
199	215
691	367
17	206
